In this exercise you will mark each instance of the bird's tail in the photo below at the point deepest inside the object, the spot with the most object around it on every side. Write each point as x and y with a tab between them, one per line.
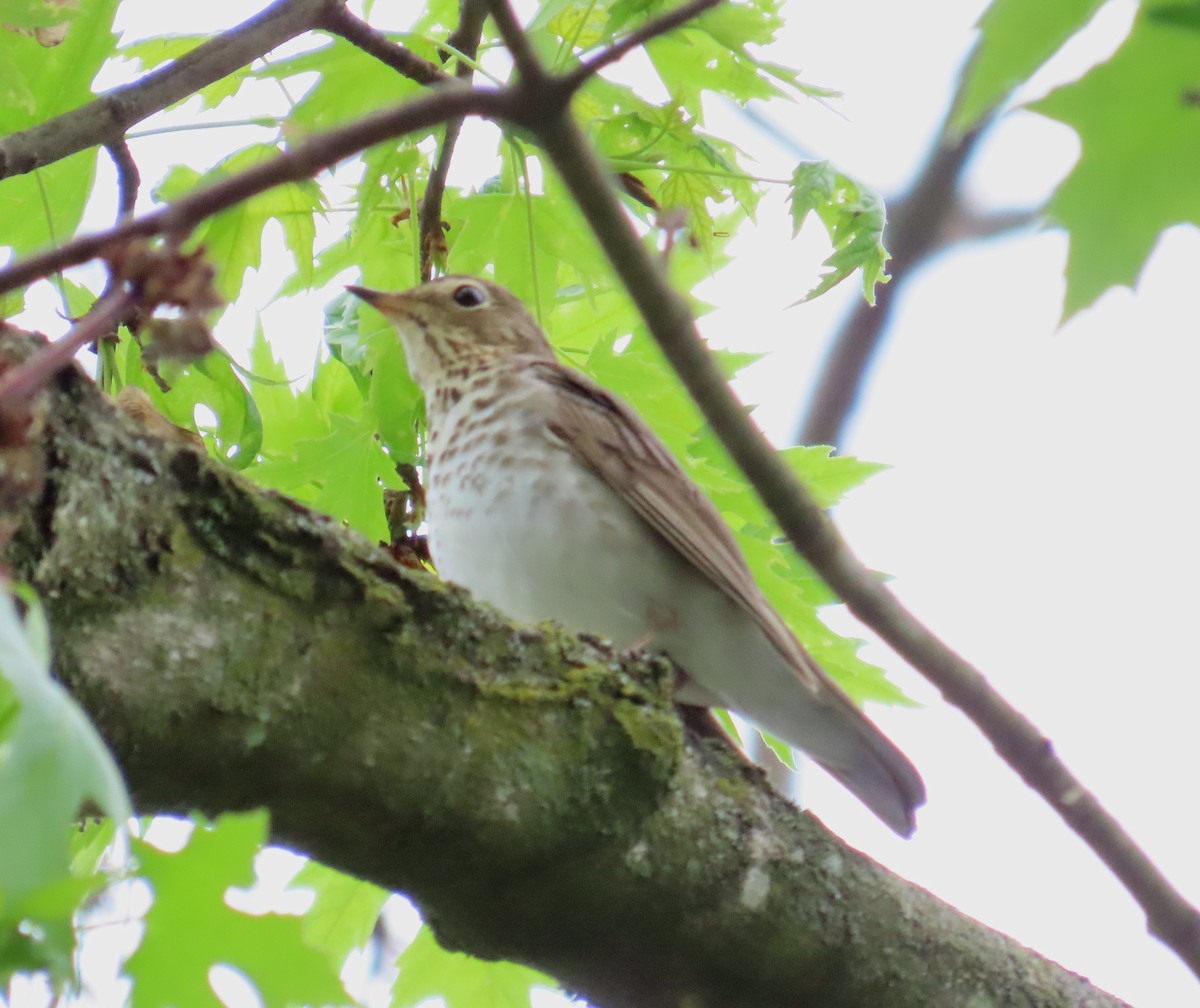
883	779
840	738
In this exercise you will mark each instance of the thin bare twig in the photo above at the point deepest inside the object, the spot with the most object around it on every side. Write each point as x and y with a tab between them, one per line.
1170	917
339	21
529	67
465	39
429	214
651	29
301	162
128	177
111	114
967	224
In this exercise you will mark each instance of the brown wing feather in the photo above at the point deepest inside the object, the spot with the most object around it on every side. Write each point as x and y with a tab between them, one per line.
610	439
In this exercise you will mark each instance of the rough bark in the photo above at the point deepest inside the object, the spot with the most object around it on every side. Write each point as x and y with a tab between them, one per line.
537	796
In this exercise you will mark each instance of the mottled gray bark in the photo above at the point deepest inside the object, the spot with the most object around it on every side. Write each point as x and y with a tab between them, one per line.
538	797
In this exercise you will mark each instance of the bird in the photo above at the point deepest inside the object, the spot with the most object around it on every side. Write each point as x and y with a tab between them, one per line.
548	497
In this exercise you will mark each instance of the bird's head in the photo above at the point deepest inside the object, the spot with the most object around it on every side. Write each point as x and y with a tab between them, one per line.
458	324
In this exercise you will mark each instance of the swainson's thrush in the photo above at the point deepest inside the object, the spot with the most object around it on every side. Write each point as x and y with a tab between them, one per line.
550	498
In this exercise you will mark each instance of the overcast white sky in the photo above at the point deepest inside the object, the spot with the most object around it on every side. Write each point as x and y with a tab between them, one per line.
1040	513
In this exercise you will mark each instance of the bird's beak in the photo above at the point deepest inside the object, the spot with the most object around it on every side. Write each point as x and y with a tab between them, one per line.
370	296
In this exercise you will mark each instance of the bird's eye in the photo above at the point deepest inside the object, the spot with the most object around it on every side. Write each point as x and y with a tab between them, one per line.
469	296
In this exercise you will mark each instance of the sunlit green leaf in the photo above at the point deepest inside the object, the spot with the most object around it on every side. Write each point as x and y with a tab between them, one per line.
232	239
1137	128
853	216
344	912
45	206
150	53
1016	37
53	765
427	971
29	14
191	927
213	382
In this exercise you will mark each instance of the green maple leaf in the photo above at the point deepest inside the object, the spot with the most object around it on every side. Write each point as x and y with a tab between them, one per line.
190	927
427	970
1137	124
853	216
1018	36
53	764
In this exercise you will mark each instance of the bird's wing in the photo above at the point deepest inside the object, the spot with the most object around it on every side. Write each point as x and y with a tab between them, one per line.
614	442
607	436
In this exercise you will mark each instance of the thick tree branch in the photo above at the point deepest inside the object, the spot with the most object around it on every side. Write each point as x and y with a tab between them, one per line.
1170	917
538	798
109	117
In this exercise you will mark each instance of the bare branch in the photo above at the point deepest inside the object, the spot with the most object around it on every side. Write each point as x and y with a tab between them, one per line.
529	67
340	21
128	177
320	152
465	39
109	117
929	218
429	215
652	29
967	224
810	531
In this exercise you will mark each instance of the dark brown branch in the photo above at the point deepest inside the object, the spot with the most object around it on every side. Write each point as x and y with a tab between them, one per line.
339	21
302	162
109	117
128	177
967	224
429	214
651	29
529	68
465	39
1170	917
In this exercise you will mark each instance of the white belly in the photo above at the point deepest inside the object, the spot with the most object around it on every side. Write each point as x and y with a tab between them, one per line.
552	541
558	545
